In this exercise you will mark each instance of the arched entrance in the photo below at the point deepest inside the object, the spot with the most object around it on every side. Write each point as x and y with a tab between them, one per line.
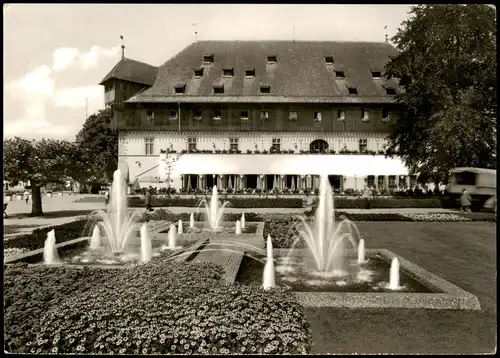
318	146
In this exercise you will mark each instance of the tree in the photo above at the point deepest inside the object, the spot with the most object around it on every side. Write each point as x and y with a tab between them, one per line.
447	70
98	145
39	162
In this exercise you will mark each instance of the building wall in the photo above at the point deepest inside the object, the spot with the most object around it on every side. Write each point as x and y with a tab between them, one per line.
135	117
132	147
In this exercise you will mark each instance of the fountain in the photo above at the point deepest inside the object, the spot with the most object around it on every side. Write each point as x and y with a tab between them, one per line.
213	211
394	278
172	239
50	255
95	240
243	220
325	238
191	221
361	252
179	228
268	279
117	224
146	247
238	227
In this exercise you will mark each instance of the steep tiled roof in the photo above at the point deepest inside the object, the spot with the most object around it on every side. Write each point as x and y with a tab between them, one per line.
133	71
300	71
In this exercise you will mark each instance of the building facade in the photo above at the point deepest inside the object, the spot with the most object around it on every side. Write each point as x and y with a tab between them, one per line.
258	114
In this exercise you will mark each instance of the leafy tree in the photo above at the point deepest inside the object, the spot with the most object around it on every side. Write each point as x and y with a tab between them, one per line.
98	145
447	70
39	162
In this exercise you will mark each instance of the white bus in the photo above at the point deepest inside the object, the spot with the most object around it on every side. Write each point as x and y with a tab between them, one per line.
480	183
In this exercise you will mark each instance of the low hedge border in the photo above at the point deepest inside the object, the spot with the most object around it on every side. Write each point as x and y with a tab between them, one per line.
162	308
383	203
233	202
64	232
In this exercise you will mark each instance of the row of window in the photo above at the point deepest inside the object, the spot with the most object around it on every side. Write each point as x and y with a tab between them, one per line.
272	59
266	89
317	146
292	115
391	181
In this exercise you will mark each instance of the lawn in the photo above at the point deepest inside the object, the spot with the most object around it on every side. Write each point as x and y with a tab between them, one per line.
464	253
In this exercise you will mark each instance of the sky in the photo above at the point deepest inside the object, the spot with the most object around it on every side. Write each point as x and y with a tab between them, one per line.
55	55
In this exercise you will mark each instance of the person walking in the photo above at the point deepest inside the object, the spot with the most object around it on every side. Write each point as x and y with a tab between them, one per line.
106	198
366	196
149	199
26	196
465	201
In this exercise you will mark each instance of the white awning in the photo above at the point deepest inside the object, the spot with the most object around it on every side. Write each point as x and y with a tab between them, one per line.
299	164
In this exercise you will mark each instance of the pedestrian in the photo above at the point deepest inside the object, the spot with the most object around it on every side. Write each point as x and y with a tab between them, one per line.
106	198
149	199
366	196
465	201
26	196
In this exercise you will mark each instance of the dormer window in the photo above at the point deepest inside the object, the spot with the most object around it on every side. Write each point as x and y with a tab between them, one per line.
250	73
173	115
272	59
208	59
329	60
150	115
341	116
228	72
218	89
244	115
385	114
292	116
391	91
265	89
264	115
179	89
364	116
198	73
352	90
376	74
339	74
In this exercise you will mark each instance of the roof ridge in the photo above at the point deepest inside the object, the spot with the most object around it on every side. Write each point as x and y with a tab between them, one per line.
297	41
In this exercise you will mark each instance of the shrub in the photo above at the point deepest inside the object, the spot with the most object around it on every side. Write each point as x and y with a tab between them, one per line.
233	202
29	291
382	203
64	232
172	308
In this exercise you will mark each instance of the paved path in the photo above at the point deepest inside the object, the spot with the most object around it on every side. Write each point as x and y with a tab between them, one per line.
62	209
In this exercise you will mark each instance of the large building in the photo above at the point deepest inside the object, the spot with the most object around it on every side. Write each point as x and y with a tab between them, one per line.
258	114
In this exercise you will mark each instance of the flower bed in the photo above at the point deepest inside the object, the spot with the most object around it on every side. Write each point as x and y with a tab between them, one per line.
30	291
170	308
233	202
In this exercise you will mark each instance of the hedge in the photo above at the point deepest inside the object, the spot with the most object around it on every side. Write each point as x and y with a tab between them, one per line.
233	202
64	232
170	308
383	203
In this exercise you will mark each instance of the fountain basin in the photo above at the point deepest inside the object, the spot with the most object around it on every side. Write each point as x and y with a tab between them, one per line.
432	292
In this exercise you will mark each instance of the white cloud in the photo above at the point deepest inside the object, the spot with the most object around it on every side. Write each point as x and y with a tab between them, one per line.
75	97
37	93
38	83
66	56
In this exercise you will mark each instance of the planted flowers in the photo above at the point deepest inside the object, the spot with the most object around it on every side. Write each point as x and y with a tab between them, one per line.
167	307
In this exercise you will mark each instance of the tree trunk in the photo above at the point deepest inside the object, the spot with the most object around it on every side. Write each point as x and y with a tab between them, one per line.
36	200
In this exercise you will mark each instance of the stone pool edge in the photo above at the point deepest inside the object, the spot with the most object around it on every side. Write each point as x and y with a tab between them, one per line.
450	297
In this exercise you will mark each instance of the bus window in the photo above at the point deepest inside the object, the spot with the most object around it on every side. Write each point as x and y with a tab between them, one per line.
466	178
